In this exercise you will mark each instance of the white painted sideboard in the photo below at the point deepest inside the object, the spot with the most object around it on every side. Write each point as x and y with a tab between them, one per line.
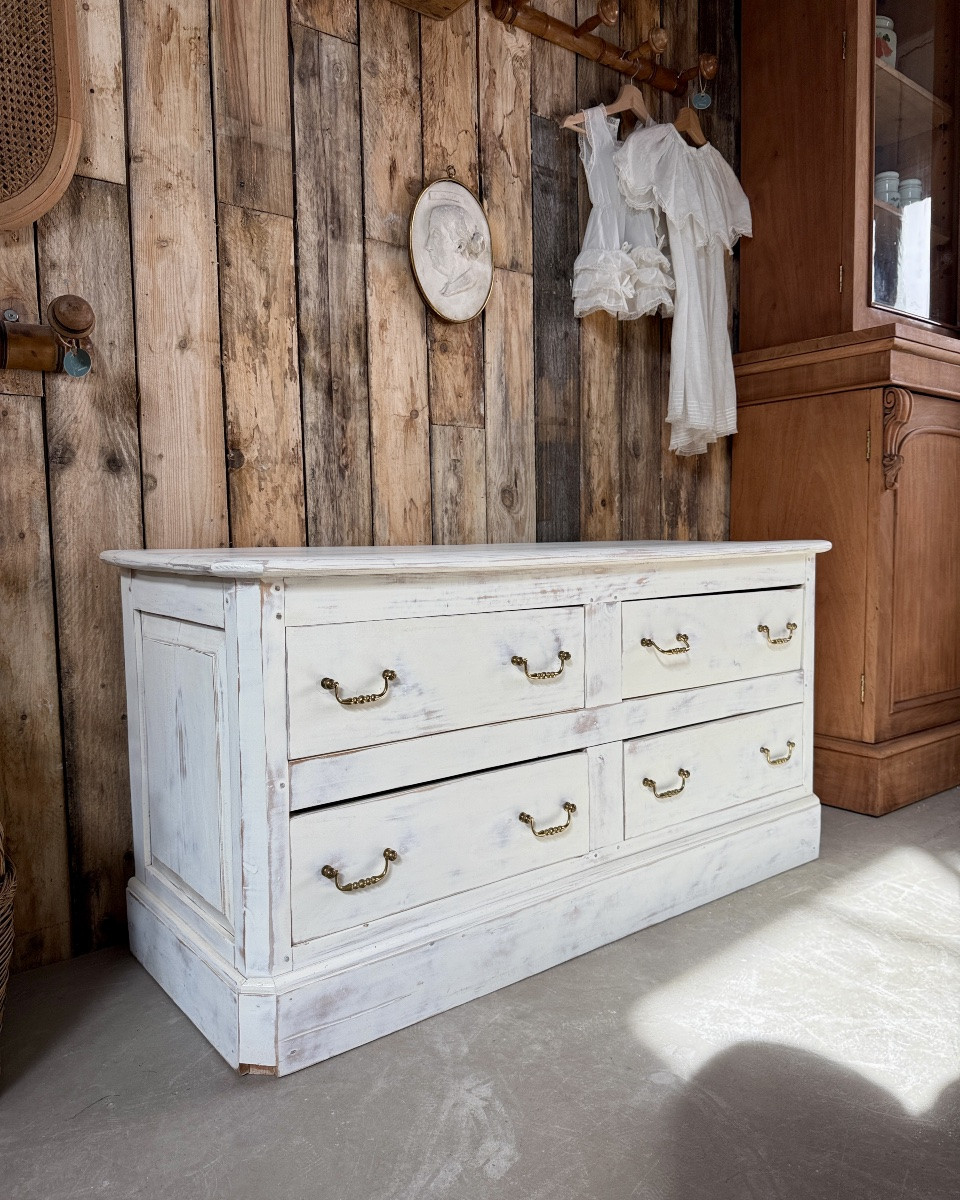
495	817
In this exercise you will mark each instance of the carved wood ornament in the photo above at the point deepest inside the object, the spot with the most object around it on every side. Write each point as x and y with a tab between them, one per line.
897	410
40	97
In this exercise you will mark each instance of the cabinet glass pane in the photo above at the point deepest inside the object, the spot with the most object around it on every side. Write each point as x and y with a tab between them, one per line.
915	228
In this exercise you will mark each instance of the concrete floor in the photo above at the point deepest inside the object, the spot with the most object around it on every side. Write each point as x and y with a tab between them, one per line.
800	1039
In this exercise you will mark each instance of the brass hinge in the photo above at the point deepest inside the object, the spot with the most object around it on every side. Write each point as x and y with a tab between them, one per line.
863	688
844	45
841	277
868	445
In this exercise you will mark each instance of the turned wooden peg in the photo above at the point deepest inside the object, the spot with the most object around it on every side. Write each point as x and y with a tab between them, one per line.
507	10
608	13
654	46
707	66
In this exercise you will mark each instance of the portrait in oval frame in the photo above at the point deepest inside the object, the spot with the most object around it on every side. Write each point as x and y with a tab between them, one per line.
450	250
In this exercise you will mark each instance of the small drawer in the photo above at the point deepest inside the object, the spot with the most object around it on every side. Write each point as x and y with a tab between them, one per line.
688	773
448	673
689	641
447	838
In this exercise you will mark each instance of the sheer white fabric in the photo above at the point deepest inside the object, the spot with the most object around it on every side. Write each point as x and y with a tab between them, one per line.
621	268
706	211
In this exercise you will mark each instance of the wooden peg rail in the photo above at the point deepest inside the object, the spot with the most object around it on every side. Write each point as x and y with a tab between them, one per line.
636	63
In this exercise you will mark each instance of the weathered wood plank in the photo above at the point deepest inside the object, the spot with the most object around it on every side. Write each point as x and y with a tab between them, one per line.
600	427
511	446
679	506
717	34
103	151
173	227
32	810
252	104
330	282
450	150
640	361
399	425
600	433
456	371
458	463
553	72
640	429
336	17
95	505
18	290
392	137
556	345
261	378
504	55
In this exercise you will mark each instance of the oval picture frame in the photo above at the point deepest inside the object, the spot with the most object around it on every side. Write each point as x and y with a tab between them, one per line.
450	252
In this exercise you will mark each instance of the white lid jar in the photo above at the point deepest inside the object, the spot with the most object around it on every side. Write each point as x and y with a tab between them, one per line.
886	41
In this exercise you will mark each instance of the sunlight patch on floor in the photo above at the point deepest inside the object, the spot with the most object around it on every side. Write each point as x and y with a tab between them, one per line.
867	975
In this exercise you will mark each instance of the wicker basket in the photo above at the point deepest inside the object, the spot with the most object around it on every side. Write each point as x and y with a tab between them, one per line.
8	885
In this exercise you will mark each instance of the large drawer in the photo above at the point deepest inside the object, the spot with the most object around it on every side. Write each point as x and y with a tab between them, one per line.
689	773
724	640
450	673
448	838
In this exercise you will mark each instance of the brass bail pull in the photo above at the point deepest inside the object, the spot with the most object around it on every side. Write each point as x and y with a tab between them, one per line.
569	808
562	655
328	872
683	648
652	785
331	685
778	762
778	641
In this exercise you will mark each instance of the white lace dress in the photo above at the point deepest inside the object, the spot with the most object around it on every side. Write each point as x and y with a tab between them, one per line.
621	268
706	211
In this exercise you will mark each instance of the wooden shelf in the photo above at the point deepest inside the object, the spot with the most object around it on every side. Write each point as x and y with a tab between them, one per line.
904	109
937	236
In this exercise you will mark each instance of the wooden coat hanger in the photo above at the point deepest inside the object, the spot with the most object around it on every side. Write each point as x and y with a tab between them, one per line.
688	123
629	99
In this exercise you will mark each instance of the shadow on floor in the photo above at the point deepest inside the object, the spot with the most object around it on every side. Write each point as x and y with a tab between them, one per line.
765	1122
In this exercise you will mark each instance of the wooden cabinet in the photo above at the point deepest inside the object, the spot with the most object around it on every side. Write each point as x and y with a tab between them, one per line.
830	119
317	866
857	439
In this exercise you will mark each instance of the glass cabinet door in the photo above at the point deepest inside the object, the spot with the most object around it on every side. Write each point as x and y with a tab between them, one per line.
915	223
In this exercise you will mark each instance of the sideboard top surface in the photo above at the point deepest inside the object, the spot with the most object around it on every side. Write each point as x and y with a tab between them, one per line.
270	562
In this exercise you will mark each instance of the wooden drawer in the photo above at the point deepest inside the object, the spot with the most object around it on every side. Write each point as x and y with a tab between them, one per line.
451	673
723	639
448	838
724	762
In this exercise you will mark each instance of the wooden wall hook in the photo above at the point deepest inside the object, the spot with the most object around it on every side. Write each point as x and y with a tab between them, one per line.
608	13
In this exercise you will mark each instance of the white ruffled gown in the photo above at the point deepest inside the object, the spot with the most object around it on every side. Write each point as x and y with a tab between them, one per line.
621	268
706	211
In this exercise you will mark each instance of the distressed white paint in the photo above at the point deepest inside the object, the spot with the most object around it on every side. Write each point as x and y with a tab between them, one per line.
188	791
451	672
725	763
449	837
224	654
724	639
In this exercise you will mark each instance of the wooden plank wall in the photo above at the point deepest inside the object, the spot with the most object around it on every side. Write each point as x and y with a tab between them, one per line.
265	372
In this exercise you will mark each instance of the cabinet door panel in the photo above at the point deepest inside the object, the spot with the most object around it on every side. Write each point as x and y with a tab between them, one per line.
800	470
925	642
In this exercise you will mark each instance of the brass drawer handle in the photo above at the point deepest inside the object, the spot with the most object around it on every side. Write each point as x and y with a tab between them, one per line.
563	655
569	808
778	762
681	637
389	856
331	685
652	785
765	630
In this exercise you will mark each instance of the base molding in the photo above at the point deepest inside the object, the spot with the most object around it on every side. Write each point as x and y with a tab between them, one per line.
279	1025
877	778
